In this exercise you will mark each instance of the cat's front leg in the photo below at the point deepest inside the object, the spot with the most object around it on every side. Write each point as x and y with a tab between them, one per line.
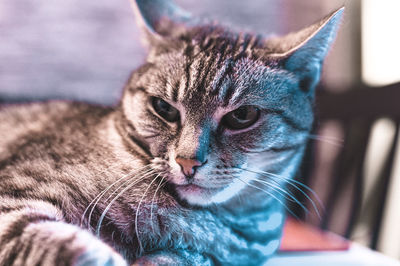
34	234
169	258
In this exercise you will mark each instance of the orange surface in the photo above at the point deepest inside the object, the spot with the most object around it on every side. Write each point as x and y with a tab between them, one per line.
298	236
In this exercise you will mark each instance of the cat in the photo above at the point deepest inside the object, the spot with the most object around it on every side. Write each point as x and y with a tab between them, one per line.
191	168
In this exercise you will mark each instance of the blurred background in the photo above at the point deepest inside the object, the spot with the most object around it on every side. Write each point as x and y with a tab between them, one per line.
85	50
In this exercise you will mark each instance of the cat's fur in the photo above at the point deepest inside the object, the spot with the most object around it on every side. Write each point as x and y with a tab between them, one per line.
58	160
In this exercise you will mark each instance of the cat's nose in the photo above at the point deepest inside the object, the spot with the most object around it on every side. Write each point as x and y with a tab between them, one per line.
188	166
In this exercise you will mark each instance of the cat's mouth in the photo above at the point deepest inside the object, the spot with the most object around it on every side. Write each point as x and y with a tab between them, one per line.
195	189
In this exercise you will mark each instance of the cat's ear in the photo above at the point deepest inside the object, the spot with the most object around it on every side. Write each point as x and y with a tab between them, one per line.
303	52
160	19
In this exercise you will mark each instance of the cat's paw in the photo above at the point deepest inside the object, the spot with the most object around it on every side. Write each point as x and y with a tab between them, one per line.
166	258
144	261
157	261
96	252
161	258
70	245
100	258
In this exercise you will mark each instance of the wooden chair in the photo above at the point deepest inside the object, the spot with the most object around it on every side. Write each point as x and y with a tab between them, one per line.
355	112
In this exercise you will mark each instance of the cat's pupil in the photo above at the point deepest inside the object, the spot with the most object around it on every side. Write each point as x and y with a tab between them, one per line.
241	113
165	106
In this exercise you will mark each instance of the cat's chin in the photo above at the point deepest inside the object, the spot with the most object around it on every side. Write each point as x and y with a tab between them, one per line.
196	195
202	196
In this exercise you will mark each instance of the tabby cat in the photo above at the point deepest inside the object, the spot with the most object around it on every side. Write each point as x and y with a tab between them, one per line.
191	168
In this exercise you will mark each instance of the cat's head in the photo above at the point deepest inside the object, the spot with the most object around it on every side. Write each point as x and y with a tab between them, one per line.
209	101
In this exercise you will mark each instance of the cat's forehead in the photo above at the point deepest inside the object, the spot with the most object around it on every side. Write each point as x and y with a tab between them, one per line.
215	80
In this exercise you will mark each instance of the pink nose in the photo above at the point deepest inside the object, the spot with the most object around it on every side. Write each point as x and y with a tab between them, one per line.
187	165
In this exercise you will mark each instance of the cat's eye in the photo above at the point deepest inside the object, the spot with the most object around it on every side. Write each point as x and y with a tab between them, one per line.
165	110
241	118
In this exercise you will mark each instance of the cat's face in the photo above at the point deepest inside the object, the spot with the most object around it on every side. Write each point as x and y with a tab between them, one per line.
208	103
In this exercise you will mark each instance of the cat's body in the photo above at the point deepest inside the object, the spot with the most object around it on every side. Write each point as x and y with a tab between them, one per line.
167	176
42	152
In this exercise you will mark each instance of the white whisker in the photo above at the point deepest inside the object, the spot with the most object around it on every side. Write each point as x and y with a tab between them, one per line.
295	184
283	193
137	213
104	191
270	194
152	202
134	182
127	176
332	141
326	137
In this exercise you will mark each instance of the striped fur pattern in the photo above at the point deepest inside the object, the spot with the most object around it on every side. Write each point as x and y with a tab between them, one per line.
94	185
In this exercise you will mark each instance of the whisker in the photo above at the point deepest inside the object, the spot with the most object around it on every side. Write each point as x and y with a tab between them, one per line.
335	142
283	193
87	208
134	182
127	176
137	213
293	183
145	174
287	179
271	195
326	137
105	190
152	202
